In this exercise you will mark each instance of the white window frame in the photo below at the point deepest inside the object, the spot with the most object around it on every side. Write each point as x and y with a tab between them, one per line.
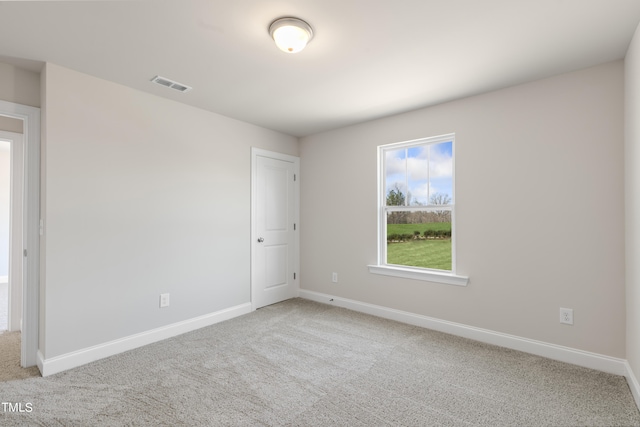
417	273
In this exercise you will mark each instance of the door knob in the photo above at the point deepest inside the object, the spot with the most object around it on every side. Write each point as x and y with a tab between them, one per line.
260	240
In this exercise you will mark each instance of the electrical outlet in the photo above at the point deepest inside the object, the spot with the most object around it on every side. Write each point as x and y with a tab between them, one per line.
334	277
164	300
566	316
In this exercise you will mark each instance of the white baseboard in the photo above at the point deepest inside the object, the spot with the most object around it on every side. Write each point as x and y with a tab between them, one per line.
586	359
633	384
86	355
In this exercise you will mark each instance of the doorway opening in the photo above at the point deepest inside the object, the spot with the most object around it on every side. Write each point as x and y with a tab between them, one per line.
11	224
5	230
11	232
5	221
29	249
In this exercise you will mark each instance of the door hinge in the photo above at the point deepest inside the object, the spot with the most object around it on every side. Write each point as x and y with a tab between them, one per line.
294	176
25	253
294	276
294	226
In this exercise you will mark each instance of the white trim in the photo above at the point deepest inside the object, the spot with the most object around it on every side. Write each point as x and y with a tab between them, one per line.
4	279
418	274
383	209
31	226
259	152
634	386
86	355
574	356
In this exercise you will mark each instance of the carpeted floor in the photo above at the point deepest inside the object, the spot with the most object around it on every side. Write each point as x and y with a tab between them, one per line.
10	368
300	363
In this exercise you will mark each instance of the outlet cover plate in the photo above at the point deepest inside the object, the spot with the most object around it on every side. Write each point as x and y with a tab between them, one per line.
566	316
164	300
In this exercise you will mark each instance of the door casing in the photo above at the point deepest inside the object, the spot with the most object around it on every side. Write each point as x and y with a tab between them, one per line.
29	352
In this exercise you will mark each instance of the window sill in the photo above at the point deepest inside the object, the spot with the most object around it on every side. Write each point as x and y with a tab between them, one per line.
419	274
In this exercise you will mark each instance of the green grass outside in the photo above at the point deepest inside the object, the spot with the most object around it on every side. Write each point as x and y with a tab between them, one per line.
429	253
421	253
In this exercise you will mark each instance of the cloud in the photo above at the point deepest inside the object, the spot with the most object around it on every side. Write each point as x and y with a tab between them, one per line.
441	161
395	162
422	164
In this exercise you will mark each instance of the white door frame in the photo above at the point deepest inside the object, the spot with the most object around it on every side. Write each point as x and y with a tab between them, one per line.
15	227
31	227
255	153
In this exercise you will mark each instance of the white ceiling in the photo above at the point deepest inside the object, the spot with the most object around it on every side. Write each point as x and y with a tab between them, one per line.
369	58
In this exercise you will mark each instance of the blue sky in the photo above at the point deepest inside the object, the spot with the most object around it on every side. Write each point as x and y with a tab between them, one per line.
426	170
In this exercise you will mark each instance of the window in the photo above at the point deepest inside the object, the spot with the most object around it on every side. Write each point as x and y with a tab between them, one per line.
417	210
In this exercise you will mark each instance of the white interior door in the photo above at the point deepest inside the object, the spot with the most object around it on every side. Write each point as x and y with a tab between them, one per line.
275	259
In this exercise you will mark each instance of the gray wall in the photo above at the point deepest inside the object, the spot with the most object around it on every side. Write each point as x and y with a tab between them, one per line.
11	125
540	210
632	199
19	85
143	196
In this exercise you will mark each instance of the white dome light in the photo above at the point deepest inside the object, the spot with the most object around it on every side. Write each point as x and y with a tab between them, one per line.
290	34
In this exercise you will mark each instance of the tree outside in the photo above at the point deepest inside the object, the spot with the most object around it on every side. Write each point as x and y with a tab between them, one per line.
419	238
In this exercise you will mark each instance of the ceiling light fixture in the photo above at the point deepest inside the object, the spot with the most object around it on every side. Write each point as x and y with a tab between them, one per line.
290	34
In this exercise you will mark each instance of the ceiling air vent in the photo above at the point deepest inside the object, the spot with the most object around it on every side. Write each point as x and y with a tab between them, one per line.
171	84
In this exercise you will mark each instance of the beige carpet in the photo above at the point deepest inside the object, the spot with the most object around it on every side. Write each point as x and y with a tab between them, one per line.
10	359
300	363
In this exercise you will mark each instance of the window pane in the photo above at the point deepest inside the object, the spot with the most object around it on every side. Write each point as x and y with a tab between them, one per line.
419	239
418	175
395	176
441	173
